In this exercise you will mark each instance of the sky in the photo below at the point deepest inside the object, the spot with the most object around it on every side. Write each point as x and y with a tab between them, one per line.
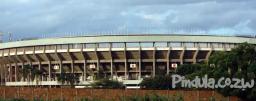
51	18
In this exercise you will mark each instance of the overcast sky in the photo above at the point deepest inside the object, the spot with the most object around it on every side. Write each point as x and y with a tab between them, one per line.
37	18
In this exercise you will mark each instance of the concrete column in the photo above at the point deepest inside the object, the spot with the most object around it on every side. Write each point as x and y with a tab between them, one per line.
181	56
84	72
125	69
49	71
16	73
5	71
154	62
40	67
98	61
10	72
168	61
1	72
98	66
60	64
72	66
195	56
125	64
208	55
111	61
139	64
1	75
84	66
22	66
59	59
111	68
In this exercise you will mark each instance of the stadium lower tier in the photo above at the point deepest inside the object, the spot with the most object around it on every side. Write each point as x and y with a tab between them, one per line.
128	65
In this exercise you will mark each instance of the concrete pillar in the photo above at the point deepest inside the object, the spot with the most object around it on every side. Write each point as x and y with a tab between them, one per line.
16	73
195	56
126	69
2	74
181	56
84	72
139	64
10	72
154	62
40	68
22	66
49	71
111	62
168	61
60	65
125	64
111	68
208	55
5	71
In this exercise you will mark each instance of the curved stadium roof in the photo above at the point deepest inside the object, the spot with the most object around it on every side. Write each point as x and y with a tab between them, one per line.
130	38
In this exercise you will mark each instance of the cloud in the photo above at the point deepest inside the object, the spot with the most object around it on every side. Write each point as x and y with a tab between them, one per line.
30	18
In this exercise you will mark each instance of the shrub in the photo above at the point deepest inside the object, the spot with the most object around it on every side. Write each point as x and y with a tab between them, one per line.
158	82
106	83
151	97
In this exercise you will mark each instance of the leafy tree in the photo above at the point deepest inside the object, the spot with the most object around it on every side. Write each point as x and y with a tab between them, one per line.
240	62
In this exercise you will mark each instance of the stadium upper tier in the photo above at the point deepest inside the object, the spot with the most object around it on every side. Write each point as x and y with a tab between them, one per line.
122	57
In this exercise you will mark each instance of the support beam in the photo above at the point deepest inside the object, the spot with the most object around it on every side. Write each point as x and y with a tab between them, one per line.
84	72
49	71
139	63
27	57
111	63
154	62
39	63
208	55
18	58
5	72
72	60
49	65
10	72
60	61
40	68
84	67
2	69
22	67
182	56
1	73
98	60
11	60
125	65
195	56
168	61
16	72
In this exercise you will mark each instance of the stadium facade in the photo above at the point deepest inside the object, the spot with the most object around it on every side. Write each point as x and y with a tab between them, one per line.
127	58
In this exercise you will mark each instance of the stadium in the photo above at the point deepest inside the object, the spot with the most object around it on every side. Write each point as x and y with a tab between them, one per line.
126	58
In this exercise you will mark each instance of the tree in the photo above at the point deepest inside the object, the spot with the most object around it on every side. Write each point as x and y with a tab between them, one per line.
69	78
35	74
31	73
240	62
25	71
